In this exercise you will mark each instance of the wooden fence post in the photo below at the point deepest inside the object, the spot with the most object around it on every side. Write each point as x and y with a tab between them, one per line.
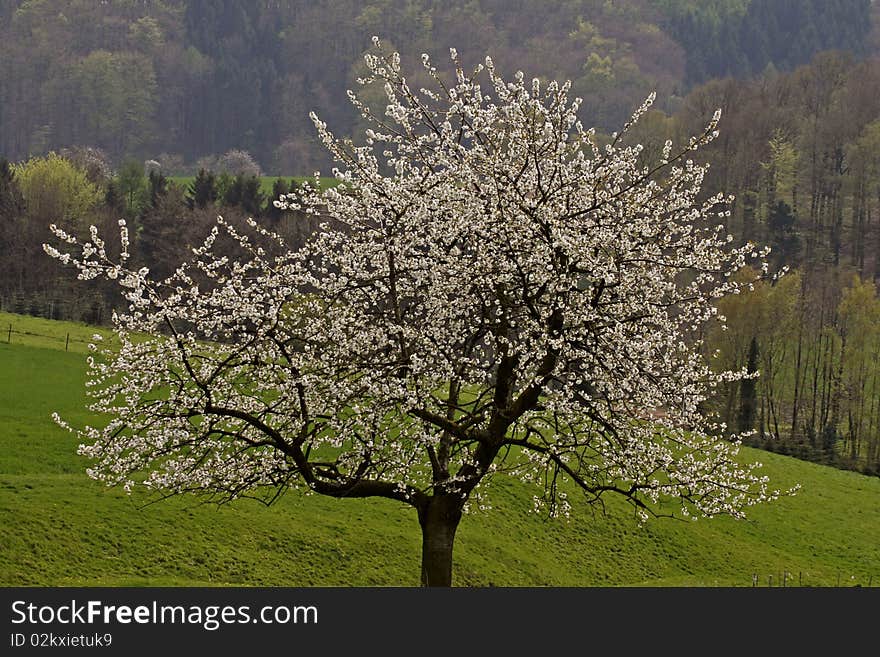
67	342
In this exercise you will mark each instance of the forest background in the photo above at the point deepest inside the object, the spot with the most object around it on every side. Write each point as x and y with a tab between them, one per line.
168	112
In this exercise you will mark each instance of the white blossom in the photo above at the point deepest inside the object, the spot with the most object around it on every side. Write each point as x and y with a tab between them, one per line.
491	293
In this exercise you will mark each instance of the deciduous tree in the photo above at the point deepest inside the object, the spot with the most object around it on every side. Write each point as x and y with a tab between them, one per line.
492	293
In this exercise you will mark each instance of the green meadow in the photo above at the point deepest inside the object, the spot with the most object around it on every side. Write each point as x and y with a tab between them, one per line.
61	528
266	182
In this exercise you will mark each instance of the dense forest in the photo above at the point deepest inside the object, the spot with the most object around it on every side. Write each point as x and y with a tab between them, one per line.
221	90
179	80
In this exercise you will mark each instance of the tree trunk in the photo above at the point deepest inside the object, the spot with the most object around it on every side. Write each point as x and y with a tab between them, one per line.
439	519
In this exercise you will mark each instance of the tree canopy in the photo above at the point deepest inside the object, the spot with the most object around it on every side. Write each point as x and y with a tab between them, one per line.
492	292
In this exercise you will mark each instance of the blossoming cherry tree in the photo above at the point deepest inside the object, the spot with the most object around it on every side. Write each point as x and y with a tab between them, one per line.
494	290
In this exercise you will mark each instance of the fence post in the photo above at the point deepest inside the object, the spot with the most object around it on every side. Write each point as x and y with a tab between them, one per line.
9	335
67	342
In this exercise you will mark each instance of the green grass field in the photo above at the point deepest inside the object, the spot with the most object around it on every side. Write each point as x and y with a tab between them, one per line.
61	528
266	182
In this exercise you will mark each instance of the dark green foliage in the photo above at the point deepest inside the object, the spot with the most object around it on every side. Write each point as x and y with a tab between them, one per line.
782	234
12	233
241	40
279	188
233	190
203	190
748	395
112	197
741	37
132	187
158	187
830	438
749	210
252	198
11	202
243	192
226	193
170	228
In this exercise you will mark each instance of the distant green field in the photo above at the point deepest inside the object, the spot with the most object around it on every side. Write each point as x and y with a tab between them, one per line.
39	332
61	528
266	182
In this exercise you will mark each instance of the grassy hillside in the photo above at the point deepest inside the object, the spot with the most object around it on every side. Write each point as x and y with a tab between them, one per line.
61	528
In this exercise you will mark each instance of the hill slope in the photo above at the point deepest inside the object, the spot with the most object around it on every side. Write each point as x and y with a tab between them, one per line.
61	528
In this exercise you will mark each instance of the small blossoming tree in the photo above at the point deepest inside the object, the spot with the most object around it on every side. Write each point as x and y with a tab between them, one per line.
491	292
